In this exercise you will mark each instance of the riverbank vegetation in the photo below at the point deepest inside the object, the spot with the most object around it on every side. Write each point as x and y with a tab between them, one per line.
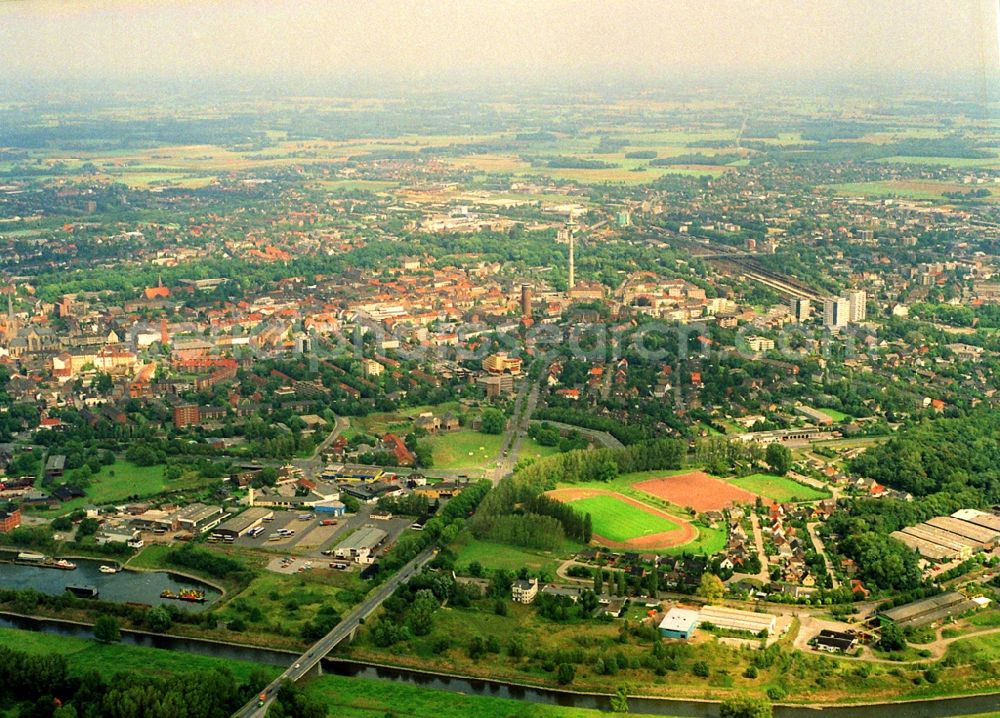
491	637
83	678
344	697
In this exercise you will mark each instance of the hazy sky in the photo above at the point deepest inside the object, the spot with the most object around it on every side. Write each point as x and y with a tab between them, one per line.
46	39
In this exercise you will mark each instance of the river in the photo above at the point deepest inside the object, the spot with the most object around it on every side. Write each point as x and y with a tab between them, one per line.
124	586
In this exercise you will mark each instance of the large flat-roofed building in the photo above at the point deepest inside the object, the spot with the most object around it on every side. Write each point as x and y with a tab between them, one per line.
979	536
360	544
945	538
929	610
240	524
352	472
737	620
942	538
187	415
10	519
979	518
814	415
497	385
198	517
927	549
836	312
679	623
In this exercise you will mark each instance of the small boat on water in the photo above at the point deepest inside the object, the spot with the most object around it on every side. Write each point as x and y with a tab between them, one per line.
83	591
63	564
108	569
185	594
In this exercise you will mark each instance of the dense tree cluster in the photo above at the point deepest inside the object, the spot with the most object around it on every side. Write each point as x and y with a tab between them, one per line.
44	687
207	562
941	455
882	562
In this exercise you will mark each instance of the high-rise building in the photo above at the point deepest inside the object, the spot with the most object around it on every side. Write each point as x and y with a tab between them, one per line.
858	300
801	309
836	312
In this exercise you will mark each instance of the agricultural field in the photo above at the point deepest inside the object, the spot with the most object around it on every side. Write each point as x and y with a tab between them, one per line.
779	488
697	490
620	521
977	162
907	189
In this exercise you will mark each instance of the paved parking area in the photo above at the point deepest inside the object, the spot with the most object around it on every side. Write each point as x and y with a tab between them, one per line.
291	564
311	538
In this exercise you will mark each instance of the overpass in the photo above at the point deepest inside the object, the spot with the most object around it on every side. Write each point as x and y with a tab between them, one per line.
343	630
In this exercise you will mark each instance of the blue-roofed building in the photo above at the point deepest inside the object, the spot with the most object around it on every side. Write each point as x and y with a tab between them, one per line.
329	508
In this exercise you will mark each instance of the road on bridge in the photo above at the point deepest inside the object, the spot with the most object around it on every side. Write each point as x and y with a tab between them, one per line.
308	660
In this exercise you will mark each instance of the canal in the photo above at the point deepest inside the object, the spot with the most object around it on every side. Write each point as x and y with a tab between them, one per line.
943	708
123	587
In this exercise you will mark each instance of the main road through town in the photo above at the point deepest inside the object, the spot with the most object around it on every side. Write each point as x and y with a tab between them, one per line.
510	447
308	660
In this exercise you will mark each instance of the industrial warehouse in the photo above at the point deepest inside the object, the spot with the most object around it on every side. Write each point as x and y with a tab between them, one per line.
929	610
735	620
946	538
360	544
242	523
681	622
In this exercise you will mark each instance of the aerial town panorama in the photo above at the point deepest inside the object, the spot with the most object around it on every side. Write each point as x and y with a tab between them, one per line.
639	393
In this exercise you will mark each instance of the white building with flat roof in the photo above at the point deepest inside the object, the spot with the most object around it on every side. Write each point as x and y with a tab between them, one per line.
737	620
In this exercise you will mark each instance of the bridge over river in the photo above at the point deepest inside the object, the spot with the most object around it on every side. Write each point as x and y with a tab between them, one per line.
311	658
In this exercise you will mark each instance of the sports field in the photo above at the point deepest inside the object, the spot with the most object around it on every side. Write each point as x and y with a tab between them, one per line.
780	488
624	522
697	490
835	414
619	521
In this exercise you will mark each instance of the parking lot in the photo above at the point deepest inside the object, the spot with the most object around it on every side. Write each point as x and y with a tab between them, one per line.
310	537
